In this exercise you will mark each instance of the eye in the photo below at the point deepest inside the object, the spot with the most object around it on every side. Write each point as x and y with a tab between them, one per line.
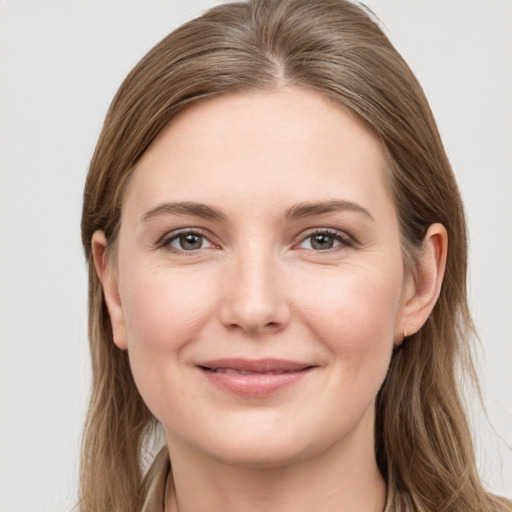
187	241
325	240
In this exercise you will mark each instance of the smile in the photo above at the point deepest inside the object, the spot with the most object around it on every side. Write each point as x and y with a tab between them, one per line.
254	378
233	371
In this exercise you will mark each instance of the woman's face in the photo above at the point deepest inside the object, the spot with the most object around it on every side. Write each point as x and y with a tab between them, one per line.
259	285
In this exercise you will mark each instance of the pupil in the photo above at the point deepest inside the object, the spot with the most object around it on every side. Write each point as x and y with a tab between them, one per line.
191	242
322	242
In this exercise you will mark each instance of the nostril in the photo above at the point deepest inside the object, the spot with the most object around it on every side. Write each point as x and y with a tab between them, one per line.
254	309
255	328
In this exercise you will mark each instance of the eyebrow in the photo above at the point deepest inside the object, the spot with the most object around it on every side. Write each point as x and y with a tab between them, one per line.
295	212
310	209
185	208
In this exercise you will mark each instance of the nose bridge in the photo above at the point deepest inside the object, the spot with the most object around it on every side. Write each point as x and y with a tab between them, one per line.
254	298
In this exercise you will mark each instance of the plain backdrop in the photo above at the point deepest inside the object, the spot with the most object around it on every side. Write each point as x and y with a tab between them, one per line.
60	64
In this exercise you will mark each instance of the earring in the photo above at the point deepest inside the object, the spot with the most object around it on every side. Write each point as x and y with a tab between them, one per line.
405	334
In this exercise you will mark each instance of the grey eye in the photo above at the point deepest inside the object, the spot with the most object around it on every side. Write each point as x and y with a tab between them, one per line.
189	242
325	240
322	241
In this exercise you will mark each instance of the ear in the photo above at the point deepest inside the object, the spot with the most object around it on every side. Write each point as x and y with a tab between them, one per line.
423	284
108	276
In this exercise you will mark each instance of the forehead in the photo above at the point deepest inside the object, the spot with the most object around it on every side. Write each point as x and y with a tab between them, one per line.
290	144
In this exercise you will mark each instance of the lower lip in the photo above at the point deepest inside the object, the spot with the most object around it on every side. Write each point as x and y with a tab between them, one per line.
255	385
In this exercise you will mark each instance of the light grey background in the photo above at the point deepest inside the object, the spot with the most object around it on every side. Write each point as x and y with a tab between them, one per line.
60	64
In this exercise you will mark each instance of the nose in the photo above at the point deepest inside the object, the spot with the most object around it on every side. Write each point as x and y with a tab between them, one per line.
254	301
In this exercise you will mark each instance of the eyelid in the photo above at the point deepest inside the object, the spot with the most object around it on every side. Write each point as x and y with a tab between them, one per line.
169	236
344	238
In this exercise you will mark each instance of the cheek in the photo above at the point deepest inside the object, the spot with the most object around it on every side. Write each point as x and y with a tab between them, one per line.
354	313
164	311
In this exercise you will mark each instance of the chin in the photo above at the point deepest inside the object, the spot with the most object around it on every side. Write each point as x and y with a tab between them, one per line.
270	444
261	453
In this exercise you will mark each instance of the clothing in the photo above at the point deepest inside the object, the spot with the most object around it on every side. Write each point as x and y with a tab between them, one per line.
155	480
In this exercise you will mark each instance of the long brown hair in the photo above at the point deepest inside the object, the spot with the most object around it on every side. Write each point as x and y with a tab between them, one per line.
422	440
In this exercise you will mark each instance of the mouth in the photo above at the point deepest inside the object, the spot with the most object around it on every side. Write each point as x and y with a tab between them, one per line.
256	377
234	371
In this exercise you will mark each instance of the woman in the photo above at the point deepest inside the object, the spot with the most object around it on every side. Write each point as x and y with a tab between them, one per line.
277	260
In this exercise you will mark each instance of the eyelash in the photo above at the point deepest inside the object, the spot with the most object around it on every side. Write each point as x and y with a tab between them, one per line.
338	236
175	235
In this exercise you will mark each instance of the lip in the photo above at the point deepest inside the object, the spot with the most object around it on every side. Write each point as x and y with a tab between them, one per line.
254	378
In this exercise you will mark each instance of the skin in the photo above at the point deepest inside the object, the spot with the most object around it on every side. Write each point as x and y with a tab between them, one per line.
257	287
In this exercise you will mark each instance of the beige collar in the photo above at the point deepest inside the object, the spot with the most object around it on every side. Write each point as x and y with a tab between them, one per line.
155	482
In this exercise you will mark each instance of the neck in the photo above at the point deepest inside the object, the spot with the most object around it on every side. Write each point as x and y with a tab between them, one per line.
342	478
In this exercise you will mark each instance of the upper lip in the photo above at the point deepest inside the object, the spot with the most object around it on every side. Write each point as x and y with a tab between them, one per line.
254	365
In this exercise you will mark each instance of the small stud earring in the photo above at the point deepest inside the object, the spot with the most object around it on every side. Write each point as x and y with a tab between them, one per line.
405	334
